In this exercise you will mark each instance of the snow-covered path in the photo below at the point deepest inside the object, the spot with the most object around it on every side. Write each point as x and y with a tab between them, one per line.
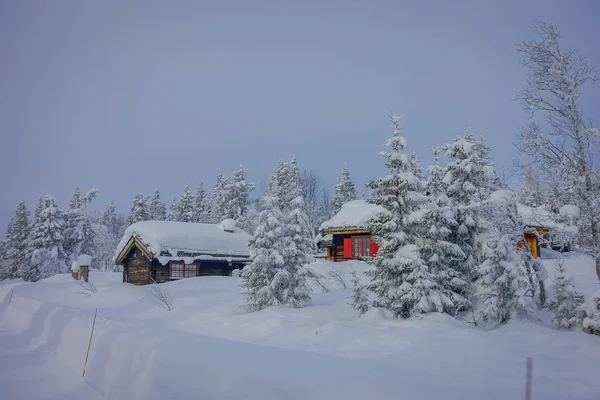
208	348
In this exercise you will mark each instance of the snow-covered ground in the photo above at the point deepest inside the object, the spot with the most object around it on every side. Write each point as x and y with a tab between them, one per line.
208	348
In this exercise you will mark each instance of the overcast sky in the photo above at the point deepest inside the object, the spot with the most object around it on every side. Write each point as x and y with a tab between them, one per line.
129	96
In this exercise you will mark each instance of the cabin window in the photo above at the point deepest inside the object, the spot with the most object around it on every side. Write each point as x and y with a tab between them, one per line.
181	270
361	247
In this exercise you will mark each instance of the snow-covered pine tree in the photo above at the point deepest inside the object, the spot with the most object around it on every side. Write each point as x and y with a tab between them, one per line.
470	178
237	194
16	243
531	192
399	194
344	190
435	224
157	210
201	205
249	221
278	184
38	209
108	235
503	273
360	297
173	214
186	206
301	245
265	280
46	244
218	199
139	209
567	302
78	233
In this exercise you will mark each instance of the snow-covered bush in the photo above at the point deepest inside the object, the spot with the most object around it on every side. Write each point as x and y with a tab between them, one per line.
359	299
566	303
591	320
236	273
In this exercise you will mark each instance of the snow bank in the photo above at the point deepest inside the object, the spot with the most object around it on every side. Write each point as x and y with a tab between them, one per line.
172	237
353	214
208	348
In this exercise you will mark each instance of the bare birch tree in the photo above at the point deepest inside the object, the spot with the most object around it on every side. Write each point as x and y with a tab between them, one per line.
563	140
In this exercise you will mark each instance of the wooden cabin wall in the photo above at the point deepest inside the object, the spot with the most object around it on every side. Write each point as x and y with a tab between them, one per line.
138	268
160	273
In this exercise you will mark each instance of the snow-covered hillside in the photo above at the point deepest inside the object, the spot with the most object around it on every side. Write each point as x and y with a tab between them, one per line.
208	348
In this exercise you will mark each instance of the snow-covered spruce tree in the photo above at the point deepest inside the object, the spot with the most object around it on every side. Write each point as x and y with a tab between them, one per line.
109	234
301	246
157	210
567	302
503	273
265	280
531	192
277	186
344	190
591	314
46	244
565	141
399	194
173	214
201	205
186	206
218	199
237	194
78	233
249	221
360	297
139	209
470	178
16	243
436	223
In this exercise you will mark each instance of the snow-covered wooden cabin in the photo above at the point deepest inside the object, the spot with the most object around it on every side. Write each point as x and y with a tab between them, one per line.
167	250
540	223
346	235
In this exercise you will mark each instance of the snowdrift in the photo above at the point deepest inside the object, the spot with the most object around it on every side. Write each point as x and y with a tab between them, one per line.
207	347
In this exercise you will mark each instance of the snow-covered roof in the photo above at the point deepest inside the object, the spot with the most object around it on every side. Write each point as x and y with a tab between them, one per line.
174	237
540	217
84	260
354	214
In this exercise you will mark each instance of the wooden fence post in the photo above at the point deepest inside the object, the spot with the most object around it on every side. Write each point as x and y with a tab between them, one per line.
90	343
528	379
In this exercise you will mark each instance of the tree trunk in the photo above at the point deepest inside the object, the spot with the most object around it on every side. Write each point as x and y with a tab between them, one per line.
598	268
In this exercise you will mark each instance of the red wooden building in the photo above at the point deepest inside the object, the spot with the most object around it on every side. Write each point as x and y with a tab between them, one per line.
346	235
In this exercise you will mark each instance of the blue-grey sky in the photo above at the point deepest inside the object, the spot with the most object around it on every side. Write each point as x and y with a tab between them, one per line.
129	96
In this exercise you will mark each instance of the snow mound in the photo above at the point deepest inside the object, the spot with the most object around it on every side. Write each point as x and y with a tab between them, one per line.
75	266
84	260
353	214
172	237
503	196
569	211
228	225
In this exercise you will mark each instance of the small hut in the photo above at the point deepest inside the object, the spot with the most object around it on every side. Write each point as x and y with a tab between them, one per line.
166	250
346	235
84	261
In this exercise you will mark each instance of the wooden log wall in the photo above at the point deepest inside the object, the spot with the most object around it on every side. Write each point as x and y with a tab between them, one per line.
138	268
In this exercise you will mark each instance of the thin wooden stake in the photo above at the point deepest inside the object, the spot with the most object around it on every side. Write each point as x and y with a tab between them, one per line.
528	382
90	343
